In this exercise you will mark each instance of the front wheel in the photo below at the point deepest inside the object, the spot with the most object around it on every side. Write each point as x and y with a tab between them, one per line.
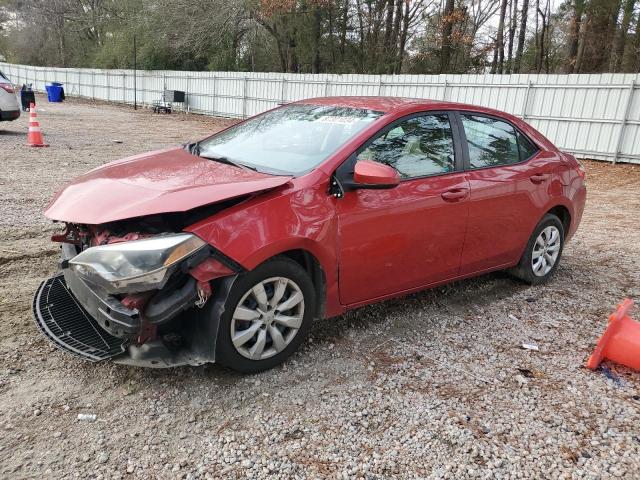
542	254
268	313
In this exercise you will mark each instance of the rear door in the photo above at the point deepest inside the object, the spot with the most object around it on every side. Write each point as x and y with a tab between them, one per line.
509	179
411	235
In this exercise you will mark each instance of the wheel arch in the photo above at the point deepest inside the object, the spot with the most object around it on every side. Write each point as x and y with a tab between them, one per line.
317	261
560	210
563	213
314	269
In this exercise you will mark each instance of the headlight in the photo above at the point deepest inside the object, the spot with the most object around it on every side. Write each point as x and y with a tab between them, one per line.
135	266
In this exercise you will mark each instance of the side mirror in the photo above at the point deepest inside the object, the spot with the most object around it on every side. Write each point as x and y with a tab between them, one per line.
368	174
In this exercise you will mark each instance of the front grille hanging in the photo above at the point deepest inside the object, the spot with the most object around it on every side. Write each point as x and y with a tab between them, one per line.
68	325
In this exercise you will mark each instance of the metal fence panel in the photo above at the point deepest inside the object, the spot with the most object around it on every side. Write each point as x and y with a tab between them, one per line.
592	116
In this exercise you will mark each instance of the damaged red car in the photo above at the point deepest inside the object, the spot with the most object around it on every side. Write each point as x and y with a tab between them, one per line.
226	249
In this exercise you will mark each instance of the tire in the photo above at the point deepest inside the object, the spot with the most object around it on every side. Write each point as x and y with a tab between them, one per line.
525	270
255	323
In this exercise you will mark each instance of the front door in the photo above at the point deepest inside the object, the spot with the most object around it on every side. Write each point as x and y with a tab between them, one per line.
412	235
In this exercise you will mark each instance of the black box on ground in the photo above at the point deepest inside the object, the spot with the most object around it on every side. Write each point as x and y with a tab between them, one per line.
176	96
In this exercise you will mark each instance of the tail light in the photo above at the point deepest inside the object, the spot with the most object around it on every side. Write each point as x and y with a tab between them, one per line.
581	171
7	87
573	161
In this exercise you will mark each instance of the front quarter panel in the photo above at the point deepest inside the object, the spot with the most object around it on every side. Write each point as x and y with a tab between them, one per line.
296	218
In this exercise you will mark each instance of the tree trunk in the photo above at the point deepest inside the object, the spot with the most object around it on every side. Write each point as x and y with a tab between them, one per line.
548	38
389	40
581	44
280	43
500	37
317	20
61	47
403	37
361	28
621	36
576	22
494	61
539	38
293	65
331	37
376	55
343	28
447	30
396	37
388	26
397	20
636	44
611	36
512	33
521	35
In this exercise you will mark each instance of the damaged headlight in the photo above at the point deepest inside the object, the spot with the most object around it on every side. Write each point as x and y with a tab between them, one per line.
135	266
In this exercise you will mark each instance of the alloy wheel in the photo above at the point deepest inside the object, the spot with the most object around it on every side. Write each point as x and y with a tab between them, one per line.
267	318
545	251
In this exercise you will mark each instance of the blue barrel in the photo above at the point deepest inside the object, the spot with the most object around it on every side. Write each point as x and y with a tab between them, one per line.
54	92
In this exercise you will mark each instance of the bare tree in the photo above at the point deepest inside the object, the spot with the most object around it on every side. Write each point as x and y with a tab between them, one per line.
513	20
636	47
499	47
447	30
521	36
542	60
621	35
574	35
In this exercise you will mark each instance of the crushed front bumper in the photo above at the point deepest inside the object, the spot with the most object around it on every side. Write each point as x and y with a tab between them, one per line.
69	326
91	324
61	317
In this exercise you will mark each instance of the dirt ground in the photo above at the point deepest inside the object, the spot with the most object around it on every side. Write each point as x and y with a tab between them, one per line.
435	385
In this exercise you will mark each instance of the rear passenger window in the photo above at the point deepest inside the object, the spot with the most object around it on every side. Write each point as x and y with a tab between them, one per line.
491	142
527	148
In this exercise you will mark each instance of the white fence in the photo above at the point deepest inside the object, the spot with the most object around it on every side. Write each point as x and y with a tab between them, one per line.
592	116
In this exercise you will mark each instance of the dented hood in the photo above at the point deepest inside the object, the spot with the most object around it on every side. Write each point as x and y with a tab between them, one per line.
156	182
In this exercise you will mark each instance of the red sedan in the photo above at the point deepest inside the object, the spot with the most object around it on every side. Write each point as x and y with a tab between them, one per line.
226	249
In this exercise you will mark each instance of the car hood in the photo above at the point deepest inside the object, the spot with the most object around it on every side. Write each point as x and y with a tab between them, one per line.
157	182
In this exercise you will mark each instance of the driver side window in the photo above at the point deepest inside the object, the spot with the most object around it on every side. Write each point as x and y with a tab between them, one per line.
416	147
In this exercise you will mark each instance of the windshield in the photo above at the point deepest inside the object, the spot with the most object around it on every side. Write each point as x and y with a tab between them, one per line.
291	140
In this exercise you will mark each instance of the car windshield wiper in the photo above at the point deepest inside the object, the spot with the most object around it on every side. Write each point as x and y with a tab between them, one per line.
193	148
227	161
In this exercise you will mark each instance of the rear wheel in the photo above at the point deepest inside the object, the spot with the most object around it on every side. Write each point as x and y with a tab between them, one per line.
542	254
267	314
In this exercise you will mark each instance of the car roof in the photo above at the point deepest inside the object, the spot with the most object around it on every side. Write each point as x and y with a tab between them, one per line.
400	106
396	104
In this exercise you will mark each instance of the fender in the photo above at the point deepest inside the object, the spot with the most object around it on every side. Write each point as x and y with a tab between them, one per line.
301	217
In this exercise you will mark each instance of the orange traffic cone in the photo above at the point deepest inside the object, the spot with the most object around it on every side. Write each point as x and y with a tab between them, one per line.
34	138
620	342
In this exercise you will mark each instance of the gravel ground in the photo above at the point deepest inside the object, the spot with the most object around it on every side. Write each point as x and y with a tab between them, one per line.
435	385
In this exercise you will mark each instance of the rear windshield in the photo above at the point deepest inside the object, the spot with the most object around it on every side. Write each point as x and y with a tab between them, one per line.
291	140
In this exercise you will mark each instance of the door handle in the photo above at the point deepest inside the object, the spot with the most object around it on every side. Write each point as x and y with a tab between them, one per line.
538	178
455	194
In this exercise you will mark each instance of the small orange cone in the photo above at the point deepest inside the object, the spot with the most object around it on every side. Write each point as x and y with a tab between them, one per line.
34	138
620	342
